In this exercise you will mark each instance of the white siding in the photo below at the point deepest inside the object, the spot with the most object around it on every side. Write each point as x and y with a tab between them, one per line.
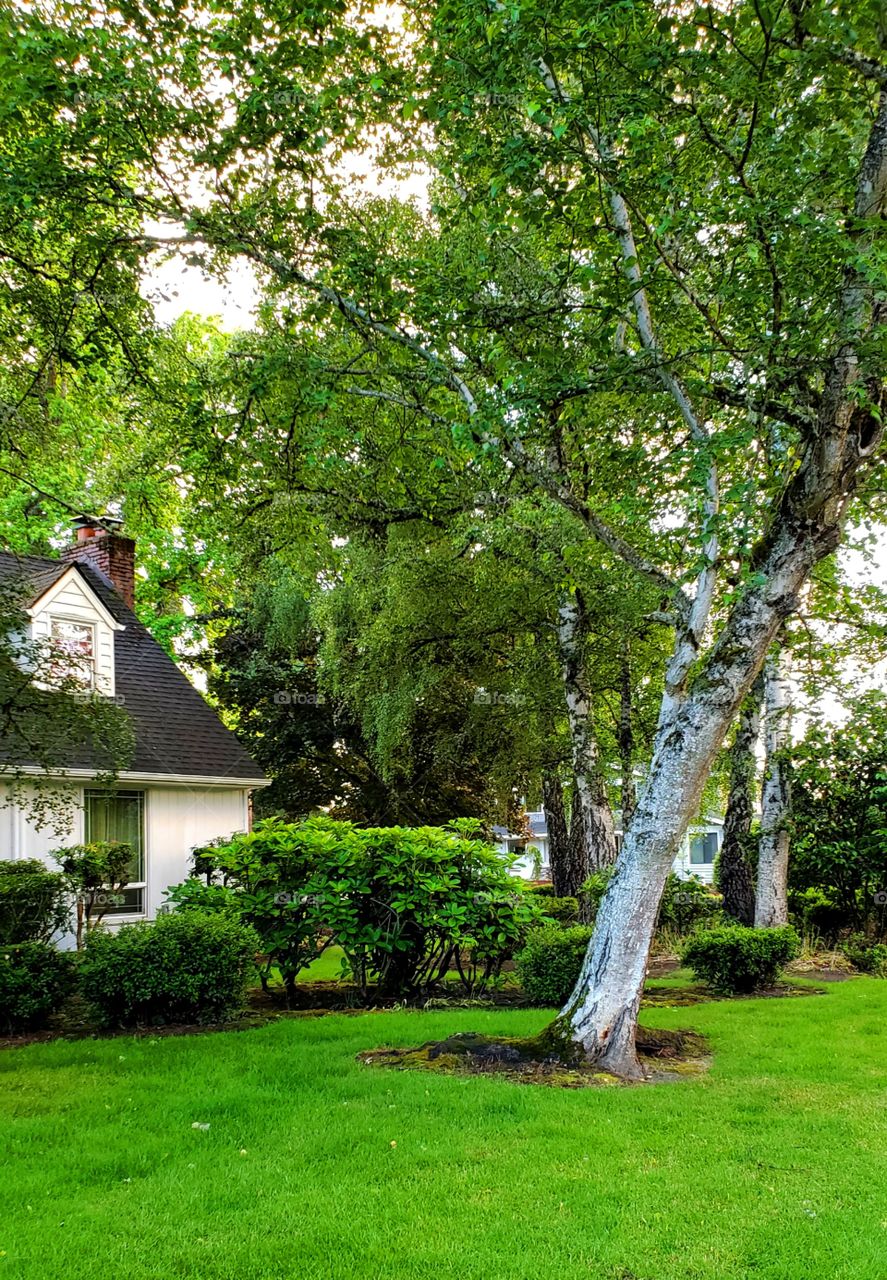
176	819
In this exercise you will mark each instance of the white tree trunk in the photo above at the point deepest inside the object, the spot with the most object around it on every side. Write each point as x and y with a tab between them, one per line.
593	834
601	1014
771	898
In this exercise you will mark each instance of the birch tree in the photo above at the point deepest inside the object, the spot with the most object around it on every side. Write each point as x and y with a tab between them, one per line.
771	897
654	244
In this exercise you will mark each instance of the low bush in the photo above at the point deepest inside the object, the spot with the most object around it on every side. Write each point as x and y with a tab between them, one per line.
816	913
686	905
34	902
549	965
405	904
563	911
736	959
866	955
541	890
207	899
35	980
184	967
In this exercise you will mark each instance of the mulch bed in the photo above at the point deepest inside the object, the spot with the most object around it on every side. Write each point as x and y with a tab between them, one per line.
665	1056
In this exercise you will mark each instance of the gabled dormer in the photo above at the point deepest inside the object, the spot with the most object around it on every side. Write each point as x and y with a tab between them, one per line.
70	616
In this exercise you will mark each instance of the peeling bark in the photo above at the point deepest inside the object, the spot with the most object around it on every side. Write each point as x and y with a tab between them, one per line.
626	747
592	831
601	1014
771	901
558	841
735	873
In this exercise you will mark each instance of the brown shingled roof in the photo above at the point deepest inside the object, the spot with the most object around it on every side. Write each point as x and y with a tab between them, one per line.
176	731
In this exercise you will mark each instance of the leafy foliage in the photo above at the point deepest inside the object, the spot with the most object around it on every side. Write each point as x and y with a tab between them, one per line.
839	846
206	899
563	911
35	980
866	955
404	904
183	967
686	904
736	959
34	902
96	874
550	963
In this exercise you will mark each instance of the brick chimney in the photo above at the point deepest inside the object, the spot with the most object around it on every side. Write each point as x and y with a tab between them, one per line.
109	552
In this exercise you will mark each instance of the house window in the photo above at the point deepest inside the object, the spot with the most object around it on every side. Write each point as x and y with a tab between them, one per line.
703	848
76	640
120	815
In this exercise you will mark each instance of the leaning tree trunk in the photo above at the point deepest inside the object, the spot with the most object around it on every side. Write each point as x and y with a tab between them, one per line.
601	1014
771	900
558	840
592	833
734	871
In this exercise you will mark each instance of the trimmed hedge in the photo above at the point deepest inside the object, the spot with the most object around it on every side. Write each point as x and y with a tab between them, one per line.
34	902
35	981
187	967
736	959
563	911
549	965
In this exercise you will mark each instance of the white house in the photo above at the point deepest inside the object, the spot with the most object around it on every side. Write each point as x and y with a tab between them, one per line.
189	779
699	848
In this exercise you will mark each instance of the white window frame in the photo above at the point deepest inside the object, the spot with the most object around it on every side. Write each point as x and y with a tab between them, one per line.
92	682
123	917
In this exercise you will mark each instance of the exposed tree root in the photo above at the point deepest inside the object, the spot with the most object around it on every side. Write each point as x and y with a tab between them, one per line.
545	1059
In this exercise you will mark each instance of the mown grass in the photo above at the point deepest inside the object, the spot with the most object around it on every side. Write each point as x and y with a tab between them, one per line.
773	1165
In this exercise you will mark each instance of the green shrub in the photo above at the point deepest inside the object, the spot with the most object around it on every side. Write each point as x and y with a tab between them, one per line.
563	911
208	899
34	902
541	890
185	967
548	966
817	914
270	869
35	980
866	955
595	887
405	904
687	904
736	959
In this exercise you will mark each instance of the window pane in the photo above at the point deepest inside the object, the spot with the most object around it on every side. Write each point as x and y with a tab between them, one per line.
117	815
704	848
77	641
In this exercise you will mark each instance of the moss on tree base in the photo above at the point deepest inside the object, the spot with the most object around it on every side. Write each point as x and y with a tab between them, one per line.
547	1058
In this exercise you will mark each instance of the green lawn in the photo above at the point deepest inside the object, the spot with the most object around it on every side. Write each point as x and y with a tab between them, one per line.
773	1165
